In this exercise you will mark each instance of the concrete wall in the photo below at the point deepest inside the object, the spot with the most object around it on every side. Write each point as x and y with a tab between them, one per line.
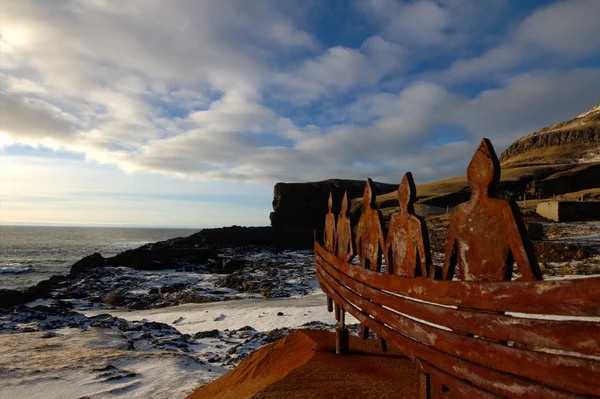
569	211
549	210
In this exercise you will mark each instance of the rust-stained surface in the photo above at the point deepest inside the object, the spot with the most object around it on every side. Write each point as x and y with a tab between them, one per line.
369	233
344	247
329	231
462	332
486	234
407	243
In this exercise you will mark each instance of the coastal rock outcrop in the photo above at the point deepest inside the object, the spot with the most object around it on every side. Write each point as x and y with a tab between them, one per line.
10	298
302	205
202	246
87	263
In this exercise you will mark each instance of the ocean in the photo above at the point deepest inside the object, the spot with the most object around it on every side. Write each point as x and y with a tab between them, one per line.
29	254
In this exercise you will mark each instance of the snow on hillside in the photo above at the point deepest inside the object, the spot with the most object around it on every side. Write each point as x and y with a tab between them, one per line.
589	111
590	157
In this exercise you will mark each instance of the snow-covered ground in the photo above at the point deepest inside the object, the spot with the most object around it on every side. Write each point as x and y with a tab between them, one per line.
261	314
94	363
142	358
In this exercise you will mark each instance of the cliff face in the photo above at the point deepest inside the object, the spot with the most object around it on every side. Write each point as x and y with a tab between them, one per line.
304	205
573	141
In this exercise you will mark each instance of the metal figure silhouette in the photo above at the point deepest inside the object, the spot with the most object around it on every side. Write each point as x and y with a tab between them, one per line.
486	233
407	250
369	235
343	230
329	232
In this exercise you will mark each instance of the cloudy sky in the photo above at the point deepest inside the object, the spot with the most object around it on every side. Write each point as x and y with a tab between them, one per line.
187	112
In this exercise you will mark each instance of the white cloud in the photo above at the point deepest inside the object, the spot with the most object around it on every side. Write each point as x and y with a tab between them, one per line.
30	121
340	69
424	25
119	69
236	112
191	89
565	31
528	102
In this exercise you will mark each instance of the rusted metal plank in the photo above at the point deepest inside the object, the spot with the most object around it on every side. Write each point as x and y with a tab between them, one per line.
576	336
565	372
508	385
424	385
460	388
465	345
577	297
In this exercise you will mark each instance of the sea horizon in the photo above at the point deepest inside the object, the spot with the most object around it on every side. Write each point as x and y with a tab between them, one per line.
92	225
31	253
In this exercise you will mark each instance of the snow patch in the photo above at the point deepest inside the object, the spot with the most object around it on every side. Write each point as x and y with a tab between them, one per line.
260	314
589	111
590	156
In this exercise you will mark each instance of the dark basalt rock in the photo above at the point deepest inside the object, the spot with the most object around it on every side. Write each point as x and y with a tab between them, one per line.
198	248
304	205
206	334
161	255
236	236
228	265
165	289
10	298
89	262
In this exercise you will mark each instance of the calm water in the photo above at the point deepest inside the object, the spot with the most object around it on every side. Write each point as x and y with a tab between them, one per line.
29	254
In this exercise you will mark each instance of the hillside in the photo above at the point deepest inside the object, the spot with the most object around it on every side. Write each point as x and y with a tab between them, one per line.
569	142
555	161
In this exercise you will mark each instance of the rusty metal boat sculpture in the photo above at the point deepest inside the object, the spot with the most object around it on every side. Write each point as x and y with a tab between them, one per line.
468	325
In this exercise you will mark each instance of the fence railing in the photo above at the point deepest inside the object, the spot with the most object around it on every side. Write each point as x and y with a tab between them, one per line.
480	333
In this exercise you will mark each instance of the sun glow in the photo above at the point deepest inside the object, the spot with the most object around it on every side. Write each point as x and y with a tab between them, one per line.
17	35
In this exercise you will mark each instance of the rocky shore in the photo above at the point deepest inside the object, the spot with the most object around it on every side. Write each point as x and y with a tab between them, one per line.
94	310
231	260
139	322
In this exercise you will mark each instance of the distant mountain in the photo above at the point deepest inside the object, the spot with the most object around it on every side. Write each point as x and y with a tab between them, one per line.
570	142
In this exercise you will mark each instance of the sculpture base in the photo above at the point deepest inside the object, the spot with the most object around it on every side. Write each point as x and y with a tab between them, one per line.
342	341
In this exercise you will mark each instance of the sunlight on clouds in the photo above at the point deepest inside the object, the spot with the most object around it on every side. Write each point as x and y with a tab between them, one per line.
187	96
70	191
16	34
5	141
